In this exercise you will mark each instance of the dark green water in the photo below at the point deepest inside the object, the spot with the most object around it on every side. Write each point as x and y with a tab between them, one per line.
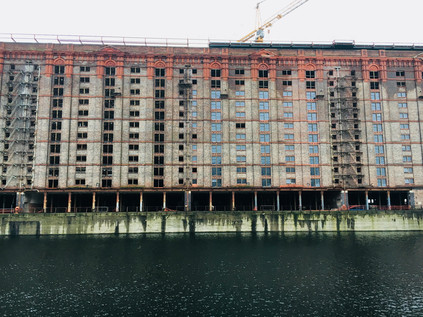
373	274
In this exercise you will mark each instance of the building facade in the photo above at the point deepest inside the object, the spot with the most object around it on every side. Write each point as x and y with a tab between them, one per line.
224	127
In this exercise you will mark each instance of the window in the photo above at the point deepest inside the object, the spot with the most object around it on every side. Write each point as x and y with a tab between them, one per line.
215	84
241	158
401	95
138	80
84	68
239	82
83	124
133	158
266	182
216	149
158	103
217	182
81	158
265	160
286	72
216	171
311	106
312	127
111	71
400	73
406	158
265	149
239	115
287	82
240	136
289	147
288	125
266	171
381	182
135	113
314	160
381	171
379	149
374	75
400	83
216	137
264	137
290	158
216	160
290	170
59	69
239	104
264	127
264	116
216	116
409	181
263	84
79	170
313	149
310	85
287	94
403	115
216	127
241	147
405	137
241	181
214	72
380	160
313	138
239	72
315	182
374	85
135	70
378	138
402	105
241	170
375	96
376	106
288	114
239	93
290	181
133	147
215	105
263	95
288	136
134	135
82	79
263	105
215	94
84	91
83	135
408	170
377	117
310	95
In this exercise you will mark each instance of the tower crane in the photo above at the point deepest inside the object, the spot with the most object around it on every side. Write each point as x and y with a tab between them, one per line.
259	30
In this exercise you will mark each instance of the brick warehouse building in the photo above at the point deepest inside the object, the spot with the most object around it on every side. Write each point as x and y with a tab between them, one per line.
92	127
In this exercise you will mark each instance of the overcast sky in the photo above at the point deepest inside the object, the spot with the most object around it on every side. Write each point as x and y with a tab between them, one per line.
317	20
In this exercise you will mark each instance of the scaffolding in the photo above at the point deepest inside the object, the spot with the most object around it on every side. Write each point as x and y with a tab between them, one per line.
185	88
346	132
19	115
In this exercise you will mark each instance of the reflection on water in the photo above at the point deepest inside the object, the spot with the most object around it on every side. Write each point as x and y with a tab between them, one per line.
372	274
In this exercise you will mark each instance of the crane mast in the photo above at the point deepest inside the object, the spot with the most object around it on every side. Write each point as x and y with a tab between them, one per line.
259	31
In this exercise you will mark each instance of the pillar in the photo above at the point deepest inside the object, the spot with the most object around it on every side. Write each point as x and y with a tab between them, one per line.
388	196
347	204
367	200
117	202
164	200
411	200
300	200
322	199
45	203
187	200
255	201
93	203
69	202
210	201
278	202
141	201
233	201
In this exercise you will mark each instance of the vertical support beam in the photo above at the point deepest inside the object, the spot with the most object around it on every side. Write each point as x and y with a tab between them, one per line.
255	201
233	201
210	201
164	201
187	200
388	197
69	202
278	201
93	203
117	202
411	200
300	200
367	200
322	199
45	202
141	201
347	204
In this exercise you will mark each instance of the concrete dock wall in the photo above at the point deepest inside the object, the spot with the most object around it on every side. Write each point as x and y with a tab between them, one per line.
162	222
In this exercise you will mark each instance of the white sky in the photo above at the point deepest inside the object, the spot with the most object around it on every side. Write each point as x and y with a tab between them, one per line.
378	21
